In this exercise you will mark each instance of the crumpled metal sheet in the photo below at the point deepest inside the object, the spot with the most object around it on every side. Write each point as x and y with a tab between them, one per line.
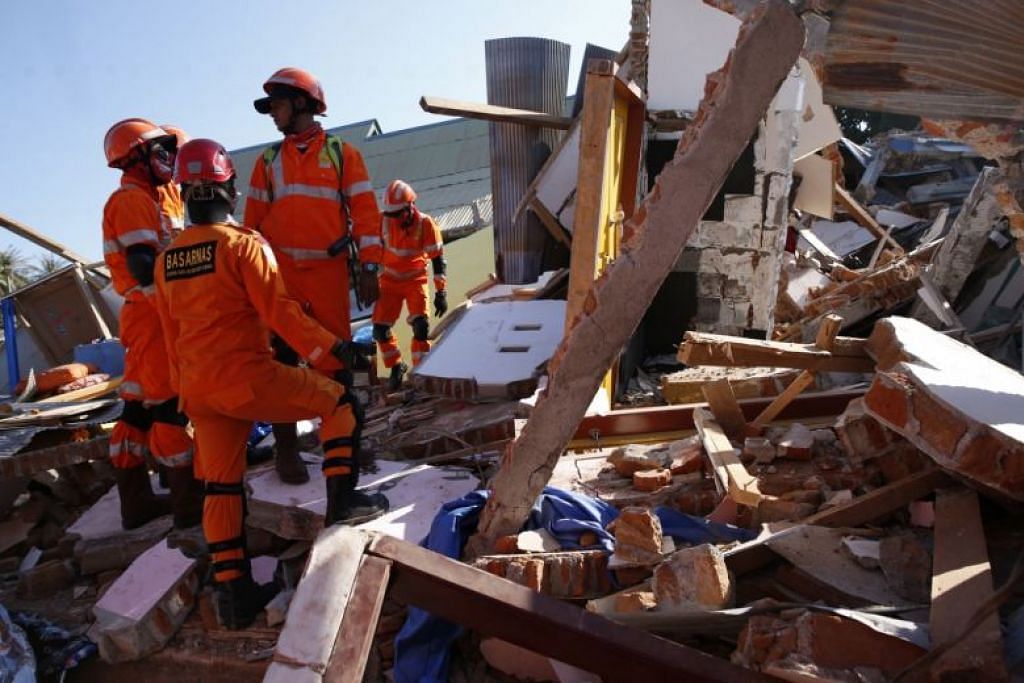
14	440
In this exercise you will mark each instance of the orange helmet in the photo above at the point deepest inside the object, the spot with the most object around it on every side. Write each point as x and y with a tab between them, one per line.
124	137
294	79
179	134
398	197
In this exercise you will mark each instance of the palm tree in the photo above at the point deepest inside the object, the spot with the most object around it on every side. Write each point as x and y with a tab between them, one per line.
46	264
15	271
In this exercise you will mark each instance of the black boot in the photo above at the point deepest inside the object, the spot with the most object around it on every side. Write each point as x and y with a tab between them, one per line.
345	505
240	601
397	374
186	496
138	502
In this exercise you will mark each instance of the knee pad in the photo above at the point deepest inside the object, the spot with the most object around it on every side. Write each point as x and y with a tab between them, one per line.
420	328
167	413
381	332
136	414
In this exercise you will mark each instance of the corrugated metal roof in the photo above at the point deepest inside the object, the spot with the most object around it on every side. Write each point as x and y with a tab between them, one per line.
930	58
447	163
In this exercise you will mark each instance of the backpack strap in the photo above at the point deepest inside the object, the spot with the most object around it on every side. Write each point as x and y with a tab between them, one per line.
269	154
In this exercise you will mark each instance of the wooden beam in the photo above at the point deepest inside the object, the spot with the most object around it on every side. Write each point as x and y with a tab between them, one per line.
878	503
359	625
961	581
861	216
498	607
803	380
725	408
731	473
766	49
848	354
54	247
304	648
827	333
490	112
595	120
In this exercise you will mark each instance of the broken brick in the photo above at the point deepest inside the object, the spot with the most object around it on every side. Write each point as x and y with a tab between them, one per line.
633	458
576	574
693	577
635	601
638	536
863	437
796	443
651	480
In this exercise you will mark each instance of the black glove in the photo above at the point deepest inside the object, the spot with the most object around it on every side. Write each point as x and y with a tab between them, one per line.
350	352
440	303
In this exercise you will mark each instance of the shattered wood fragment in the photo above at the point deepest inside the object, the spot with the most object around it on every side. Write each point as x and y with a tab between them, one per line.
736	99
730	472
804	380
700	348
961	581
359	625
860	214
826	337
726	410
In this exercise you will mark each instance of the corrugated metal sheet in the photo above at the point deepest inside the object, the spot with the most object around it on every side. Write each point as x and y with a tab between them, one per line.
931	58
525	73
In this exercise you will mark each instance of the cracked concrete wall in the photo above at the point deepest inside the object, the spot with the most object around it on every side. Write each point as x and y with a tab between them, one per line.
738	260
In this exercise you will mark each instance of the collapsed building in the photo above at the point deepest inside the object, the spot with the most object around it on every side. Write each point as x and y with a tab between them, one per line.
741	398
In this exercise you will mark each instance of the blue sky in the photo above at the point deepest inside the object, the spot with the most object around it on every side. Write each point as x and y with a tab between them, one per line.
74	68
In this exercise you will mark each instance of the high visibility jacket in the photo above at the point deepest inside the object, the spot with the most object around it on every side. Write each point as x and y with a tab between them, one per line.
218	292
298	208
138	214
407	250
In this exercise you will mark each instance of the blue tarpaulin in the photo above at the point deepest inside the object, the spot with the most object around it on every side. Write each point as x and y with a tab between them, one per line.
422	646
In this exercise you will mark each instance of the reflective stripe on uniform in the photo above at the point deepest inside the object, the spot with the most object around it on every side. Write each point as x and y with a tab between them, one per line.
357	188
391	353
301	189
133	447
404	275
369	242
432	249
298	254
130	389
258	194
111	247
175	459
147	290
140	236
404	253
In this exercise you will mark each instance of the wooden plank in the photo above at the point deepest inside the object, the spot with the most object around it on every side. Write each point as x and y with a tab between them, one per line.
27	463
731	473
961	581
862	217
804	380
359	625
503	609
882	501
595	121
725	408
817	244
827	333
848	354
316	611
54	247
86	393
767	47
490	112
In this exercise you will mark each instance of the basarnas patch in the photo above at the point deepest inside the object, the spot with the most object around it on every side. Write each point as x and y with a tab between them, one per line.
185	262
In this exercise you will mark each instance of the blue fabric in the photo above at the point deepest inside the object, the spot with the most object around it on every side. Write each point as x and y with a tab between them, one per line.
422	645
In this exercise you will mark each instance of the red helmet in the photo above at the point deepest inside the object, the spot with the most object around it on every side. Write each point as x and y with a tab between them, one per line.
202	162
124	137
398	196
295	79
179	134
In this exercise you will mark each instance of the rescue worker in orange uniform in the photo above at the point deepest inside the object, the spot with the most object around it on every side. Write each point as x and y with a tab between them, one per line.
411	238
307	193
139	221
220	295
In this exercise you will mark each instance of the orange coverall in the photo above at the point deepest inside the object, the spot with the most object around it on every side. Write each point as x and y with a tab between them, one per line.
299	211
137	214
403	279
220	294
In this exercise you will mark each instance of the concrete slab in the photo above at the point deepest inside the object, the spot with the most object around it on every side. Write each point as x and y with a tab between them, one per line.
296	512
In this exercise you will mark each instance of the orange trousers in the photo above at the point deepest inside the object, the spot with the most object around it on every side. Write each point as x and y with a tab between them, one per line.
222	420
147	382
388	309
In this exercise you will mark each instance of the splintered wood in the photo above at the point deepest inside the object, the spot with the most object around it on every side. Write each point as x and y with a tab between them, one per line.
848	354
766	49
731	473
